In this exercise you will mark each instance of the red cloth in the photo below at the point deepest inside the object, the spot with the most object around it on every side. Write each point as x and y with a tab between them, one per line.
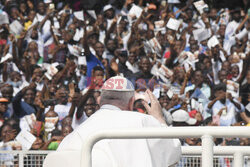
192	113
229	77
167	54
140	110
3	42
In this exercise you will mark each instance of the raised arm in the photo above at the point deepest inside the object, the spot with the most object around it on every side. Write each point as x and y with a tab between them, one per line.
155	109
85	42
211	103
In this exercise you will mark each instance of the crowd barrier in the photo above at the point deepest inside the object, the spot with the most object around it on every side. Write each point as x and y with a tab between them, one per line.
191	157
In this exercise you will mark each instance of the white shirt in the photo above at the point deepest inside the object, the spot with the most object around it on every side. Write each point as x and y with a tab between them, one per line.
39	42
134	68
46	34
229	117
102	36
230	40
79	34
109	23
216	66
230	29
116	152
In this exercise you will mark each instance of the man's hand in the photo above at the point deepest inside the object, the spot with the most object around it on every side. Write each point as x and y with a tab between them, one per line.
30	4
75	99
105	63
114	66
155	108
39	102
23	34
229	96
221	111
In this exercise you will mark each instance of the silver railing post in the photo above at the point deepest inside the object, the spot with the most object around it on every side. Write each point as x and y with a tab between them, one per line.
207	150
20	159
238	159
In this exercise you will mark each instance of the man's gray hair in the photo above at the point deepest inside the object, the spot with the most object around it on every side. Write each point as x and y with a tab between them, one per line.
117	98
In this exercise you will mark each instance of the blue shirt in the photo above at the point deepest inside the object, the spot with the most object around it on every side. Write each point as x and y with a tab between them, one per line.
92	61
20	107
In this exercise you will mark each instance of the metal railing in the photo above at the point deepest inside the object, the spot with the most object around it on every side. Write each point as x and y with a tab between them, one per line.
191	157
35	159
205	133
22	158
238	152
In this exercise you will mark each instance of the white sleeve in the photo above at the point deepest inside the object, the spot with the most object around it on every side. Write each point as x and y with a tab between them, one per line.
72	142
229	43
215	71
242	34
163	151
150	121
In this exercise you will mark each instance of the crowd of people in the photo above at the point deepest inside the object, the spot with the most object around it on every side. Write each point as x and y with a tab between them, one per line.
55	57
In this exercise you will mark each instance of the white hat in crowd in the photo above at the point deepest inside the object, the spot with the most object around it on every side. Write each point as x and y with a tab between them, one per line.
183	116
107	7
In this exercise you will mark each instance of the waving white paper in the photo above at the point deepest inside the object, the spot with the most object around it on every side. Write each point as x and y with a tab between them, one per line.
26	139
51	71
202	34
82	60
79	15
16	27
212	42
6	57
233	88
135	10
173	24
92	13
200	5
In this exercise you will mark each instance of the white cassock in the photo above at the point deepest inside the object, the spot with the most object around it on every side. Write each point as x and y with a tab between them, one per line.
116	152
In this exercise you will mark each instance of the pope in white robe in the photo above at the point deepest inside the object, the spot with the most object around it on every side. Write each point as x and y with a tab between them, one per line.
118	152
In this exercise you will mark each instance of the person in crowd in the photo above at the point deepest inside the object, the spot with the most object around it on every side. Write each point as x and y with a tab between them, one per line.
225	107
86	108
26	106
62	106
7	92
144	79
199	89
3	110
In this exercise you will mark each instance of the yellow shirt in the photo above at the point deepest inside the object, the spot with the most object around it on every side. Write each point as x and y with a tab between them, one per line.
27	25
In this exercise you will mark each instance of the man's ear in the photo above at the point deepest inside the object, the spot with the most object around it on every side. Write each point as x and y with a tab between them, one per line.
131	103
98	100
139	64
